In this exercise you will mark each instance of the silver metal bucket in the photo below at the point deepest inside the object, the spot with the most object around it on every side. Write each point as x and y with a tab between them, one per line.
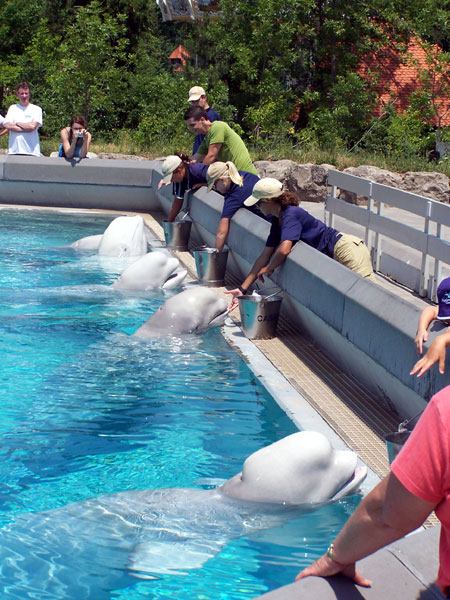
259	316
177	234
211	265
395	441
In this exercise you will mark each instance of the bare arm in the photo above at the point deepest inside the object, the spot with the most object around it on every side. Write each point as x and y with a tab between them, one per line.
278	259
213	151
428	314
177	204
68	147
86	143
260	262
436	353
222	232
25	127
388	513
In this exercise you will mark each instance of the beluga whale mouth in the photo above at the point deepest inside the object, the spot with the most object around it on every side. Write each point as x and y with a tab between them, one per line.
195	310
152	271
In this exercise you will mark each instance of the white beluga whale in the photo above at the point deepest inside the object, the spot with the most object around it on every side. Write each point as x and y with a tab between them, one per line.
87	548
152	271
195	310
125	236
88	243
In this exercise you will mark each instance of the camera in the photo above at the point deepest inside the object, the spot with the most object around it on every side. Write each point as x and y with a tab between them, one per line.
79	134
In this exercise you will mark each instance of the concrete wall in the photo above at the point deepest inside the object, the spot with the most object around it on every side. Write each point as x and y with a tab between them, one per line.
77	183
367	329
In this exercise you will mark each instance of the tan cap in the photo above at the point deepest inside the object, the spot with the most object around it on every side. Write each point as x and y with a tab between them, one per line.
195	93
267	187
215	171
171	163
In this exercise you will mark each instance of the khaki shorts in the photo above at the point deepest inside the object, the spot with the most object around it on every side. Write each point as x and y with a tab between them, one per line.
352	252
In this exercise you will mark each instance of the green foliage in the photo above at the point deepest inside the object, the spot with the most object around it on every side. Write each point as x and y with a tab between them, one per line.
281	72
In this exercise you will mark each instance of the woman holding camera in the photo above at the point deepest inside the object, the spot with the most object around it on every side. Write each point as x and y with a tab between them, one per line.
75	139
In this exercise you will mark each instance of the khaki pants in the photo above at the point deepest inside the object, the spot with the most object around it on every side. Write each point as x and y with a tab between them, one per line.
352	252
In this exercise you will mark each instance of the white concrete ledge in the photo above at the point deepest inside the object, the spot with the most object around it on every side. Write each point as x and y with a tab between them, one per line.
77	183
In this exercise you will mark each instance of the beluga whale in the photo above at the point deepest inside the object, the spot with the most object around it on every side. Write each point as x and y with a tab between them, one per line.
194	310
152	271
88	548
124	236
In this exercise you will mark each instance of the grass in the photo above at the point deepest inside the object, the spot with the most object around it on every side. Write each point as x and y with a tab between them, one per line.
339	158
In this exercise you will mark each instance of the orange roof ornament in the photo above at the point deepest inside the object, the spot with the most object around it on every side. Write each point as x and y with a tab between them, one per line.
187	10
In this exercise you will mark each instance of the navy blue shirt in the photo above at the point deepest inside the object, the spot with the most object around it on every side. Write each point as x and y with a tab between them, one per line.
295	223
212	116
236	196
196	173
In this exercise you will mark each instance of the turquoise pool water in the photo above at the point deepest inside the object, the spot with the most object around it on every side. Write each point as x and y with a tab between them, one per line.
89	410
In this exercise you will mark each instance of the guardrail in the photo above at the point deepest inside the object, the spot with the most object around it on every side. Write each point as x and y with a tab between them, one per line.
434	249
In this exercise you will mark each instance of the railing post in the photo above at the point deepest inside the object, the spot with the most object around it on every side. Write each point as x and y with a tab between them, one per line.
423	283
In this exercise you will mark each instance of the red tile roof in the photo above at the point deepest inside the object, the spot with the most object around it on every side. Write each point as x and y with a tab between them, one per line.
398	77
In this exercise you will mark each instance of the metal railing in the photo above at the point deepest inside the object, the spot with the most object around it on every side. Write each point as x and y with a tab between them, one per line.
432	246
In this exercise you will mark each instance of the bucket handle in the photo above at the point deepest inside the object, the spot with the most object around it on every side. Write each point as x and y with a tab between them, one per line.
278	290
404	424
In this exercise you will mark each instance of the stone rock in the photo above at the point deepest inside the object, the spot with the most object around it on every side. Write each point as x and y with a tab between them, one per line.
428	184
307	181
374	174
113	156
278	169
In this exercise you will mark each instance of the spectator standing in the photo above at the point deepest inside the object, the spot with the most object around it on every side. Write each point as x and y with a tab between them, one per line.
197	97
23	121
220	143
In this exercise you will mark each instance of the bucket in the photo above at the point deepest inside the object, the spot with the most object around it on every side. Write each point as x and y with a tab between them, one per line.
211	266
259	316
394	442
177	234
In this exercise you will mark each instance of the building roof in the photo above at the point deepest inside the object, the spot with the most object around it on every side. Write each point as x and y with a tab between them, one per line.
398	77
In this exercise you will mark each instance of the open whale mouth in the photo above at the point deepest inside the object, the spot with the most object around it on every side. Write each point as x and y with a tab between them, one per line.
218	318
352	483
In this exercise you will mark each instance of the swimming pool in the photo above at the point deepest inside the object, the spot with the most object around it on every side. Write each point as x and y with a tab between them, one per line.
88	410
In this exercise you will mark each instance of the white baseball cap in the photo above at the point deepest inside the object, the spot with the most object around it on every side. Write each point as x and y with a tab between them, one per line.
171	163
267	187
195	93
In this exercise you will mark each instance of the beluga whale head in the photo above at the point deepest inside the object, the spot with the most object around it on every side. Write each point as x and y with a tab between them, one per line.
302	468
125	236
152	271
195	310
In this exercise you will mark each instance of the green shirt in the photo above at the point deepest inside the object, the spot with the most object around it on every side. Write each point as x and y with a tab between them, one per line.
233	148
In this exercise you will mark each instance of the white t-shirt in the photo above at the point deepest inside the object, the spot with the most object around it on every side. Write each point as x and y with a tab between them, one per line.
26	142
2	118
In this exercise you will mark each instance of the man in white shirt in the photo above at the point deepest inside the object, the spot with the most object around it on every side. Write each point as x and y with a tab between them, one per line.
23	121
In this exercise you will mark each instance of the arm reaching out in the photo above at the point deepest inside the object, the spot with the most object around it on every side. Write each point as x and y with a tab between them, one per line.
436	353
428	314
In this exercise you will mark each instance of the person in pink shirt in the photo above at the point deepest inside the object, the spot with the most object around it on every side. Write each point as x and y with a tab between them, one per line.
419	482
